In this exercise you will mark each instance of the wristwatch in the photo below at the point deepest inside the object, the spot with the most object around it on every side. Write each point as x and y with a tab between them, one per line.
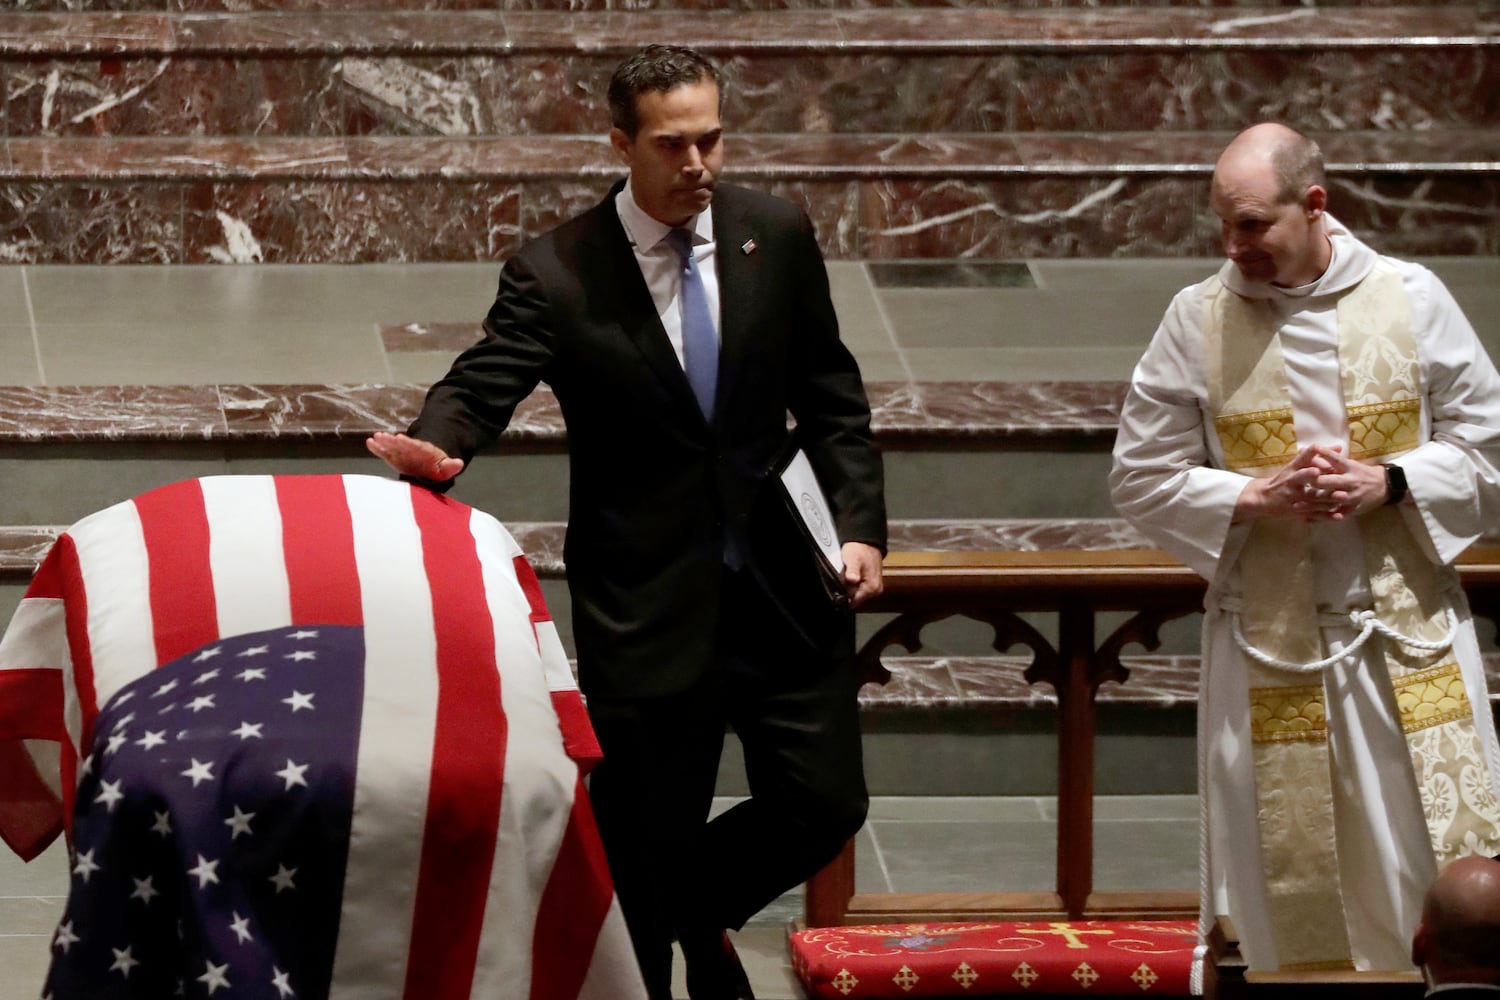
1395	484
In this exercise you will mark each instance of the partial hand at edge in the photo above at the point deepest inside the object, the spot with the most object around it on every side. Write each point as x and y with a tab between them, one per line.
862	567
413	457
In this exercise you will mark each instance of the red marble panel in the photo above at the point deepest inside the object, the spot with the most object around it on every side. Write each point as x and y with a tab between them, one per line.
110	413
351	222
80	30
90	224
545	205
174	96
317	411
834	210
595	5
1410	217
1055	217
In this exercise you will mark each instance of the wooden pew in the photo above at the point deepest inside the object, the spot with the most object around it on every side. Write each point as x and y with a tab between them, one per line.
994	588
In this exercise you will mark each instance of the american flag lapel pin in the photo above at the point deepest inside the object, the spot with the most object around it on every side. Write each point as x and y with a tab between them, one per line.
747	248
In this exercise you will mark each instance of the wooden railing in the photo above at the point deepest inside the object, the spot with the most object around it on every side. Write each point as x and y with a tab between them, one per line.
995	588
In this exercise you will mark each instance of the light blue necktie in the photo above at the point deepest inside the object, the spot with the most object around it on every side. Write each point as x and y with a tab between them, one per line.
700	340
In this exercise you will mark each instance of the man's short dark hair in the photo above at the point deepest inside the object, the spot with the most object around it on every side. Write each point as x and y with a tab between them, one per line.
1298	163
656	67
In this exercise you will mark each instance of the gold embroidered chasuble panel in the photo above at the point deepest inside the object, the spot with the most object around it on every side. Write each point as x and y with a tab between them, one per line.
1253	418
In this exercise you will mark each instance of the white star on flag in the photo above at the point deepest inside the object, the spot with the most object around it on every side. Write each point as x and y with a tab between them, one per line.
206	654
199	771
144	890
206	676
254	651
85	865
115	743
297	656
205	871
292	774
201	702
283	878
239	823
110	794
247	730
65	938
241	927
303	633
163	824
169	686
215	977
299	701
152	739
124	961
252	674
279	980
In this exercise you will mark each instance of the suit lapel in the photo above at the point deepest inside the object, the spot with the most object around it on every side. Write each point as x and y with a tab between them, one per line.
737	266
629	300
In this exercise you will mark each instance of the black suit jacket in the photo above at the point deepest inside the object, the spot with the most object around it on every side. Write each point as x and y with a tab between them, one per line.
655	486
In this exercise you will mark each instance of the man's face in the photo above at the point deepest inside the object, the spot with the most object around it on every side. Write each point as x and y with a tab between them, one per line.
676	154
1270	240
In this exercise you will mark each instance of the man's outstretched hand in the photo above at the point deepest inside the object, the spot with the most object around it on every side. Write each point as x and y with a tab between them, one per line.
412	457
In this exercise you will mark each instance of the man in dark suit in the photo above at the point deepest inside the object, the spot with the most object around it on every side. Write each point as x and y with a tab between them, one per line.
1457	941
679	322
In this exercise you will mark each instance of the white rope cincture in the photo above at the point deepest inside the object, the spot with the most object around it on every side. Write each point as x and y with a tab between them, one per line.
1363	620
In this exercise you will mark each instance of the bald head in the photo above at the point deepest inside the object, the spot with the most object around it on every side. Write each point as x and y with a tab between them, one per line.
1458	939
1268	193
1291	159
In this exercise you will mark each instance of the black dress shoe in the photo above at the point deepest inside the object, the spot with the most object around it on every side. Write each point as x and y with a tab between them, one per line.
714	971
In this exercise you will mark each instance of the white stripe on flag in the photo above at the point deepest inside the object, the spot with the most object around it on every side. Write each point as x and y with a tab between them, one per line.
539	777
245	554
115	571
37	637
395	748
613	973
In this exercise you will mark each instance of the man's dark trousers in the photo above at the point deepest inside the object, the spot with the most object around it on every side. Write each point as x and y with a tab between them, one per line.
795	713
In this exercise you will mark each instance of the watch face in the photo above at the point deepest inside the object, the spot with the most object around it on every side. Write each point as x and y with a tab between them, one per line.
1395	483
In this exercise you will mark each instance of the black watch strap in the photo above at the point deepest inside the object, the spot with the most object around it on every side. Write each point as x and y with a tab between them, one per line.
1395	484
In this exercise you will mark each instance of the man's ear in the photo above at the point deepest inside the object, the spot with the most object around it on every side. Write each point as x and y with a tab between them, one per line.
621	142
1315	201
1419	945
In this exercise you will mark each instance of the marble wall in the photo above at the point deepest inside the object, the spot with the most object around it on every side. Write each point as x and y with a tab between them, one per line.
162	131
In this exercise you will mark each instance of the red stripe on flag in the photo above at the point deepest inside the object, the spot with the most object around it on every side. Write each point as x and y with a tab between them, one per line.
184	614
33	701
317	536
76	617
468	761
579	741
29	815
532	588
574	905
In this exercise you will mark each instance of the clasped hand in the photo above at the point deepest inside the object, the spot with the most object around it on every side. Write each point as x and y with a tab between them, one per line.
1320	484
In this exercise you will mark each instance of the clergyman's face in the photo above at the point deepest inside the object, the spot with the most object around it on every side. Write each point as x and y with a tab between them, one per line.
1270	239
677	152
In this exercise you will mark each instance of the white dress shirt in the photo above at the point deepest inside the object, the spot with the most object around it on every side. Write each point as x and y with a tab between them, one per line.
661	267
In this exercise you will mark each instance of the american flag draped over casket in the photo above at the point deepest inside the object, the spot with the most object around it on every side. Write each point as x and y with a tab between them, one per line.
324	741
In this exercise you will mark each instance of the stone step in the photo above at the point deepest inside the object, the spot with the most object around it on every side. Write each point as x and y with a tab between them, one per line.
23	546
952	449
818	69
986	196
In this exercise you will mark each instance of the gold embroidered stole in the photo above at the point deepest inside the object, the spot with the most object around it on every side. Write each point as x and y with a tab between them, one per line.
1381	378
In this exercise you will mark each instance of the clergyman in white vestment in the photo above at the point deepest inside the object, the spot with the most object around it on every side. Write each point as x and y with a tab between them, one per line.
1316	431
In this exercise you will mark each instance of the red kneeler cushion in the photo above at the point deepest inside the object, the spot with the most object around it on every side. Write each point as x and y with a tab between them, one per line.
1087	957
